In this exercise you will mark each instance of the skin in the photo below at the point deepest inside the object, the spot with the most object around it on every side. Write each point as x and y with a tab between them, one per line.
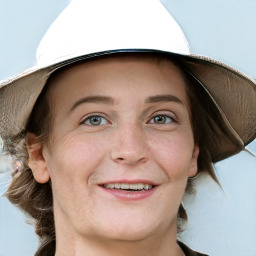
129	143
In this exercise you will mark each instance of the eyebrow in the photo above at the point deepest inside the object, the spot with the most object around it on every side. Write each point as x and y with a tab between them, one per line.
110	101
163	98
93	99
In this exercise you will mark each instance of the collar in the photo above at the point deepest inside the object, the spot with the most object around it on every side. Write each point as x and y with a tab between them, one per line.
188	251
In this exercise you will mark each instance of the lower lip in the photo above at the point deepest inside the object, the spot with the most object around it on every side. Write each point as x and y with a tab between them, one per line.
129	195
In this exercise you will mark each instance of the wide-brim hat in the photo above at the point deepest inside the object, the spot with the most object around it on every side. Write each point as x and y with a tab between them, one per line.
92	28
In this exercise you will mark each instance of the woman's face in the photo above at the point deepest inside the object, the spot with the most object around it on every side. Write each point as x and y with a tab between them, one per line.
121	148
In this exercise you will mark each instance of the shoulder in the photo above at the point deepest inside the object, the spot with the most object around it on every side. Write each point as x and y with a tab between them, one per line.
188	251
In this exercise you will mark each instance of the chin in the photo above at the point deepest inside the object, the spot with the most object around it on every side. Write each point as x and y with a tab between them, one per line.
133	229
135	234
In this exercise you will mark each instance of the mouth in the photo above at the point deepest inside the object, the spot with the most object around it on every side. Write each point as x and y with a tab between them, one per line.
129	190
129	187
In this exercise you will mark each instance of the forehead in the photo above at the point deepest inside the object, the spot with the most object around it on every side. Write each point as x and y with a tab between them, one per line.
145	74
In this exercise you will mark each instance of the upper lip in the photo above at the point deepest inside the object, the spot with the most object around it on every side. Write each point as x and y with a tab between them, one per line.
130	181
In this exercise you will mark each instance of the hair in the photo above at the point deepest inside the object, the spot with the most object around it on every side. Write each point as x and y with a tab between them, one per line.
36	199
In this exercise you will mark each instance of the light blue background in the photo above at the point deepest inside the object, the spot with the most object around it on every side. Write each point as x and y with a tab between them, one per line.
222	222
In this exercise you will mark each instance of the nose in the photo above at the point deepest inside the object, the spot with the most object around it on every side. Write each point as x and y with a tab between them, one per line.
129	146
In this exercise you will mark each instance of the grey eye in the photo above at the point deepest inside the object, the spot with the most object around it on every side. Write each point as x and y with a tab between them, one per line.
95	120
161	119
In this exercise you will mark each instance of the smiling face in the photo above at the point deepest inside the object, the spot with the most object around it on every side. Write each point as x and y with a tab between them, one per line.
121	148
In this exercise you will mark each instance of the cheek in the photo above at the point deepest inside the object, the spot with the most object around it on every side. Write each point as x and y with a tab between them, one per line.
173	154
71	164
76	157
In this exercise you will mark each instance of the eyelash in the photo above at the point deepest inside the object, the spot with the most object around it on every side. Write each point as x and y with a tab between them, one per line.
88	121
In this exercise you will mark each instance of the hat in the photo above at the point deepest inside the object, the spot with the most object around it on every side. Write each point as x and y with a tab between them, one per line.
91	28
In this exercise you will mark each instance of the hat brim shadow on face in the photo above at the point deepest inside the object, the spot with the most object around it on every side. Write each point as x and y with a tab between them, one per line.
232	93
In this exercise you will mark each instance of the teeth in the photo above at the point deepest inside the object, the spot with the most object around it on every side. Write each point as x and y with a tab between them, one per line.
111	186
117	185
126	186
134	187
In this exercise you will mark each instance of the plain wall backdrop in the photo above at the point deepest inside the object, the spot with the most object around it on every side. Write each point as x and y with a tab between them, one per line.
222	221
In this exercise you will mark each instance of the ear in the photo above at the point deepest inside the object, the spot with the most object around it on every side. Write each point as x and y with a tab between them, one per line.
193	166
37	161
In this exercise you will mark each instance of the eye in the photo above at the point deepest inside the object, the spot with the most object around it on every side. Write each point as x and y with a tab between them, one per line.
95	120
161	119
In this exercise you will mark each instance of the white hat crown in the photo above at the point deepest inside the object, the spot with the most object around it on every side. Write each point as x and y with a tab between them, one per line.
91	26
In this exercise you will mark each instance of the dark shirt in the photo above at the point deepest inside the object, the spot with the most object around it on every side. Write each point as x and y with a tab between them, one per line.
188	251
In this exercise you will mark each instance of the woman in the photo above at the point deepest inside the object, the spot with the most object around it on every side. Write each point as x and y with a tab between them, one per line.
111	125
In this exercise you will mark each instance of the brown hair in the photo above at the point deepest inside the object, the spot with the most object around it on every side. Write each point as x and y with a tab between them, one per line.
25	192
36	199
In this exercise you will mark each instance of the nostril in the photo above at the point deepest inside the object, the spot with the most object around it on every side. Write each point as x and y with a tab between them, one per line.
130	161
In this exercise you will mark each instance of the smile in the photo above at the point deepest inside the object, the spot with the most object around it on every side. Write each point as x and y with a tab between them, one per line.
129	191
128	187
